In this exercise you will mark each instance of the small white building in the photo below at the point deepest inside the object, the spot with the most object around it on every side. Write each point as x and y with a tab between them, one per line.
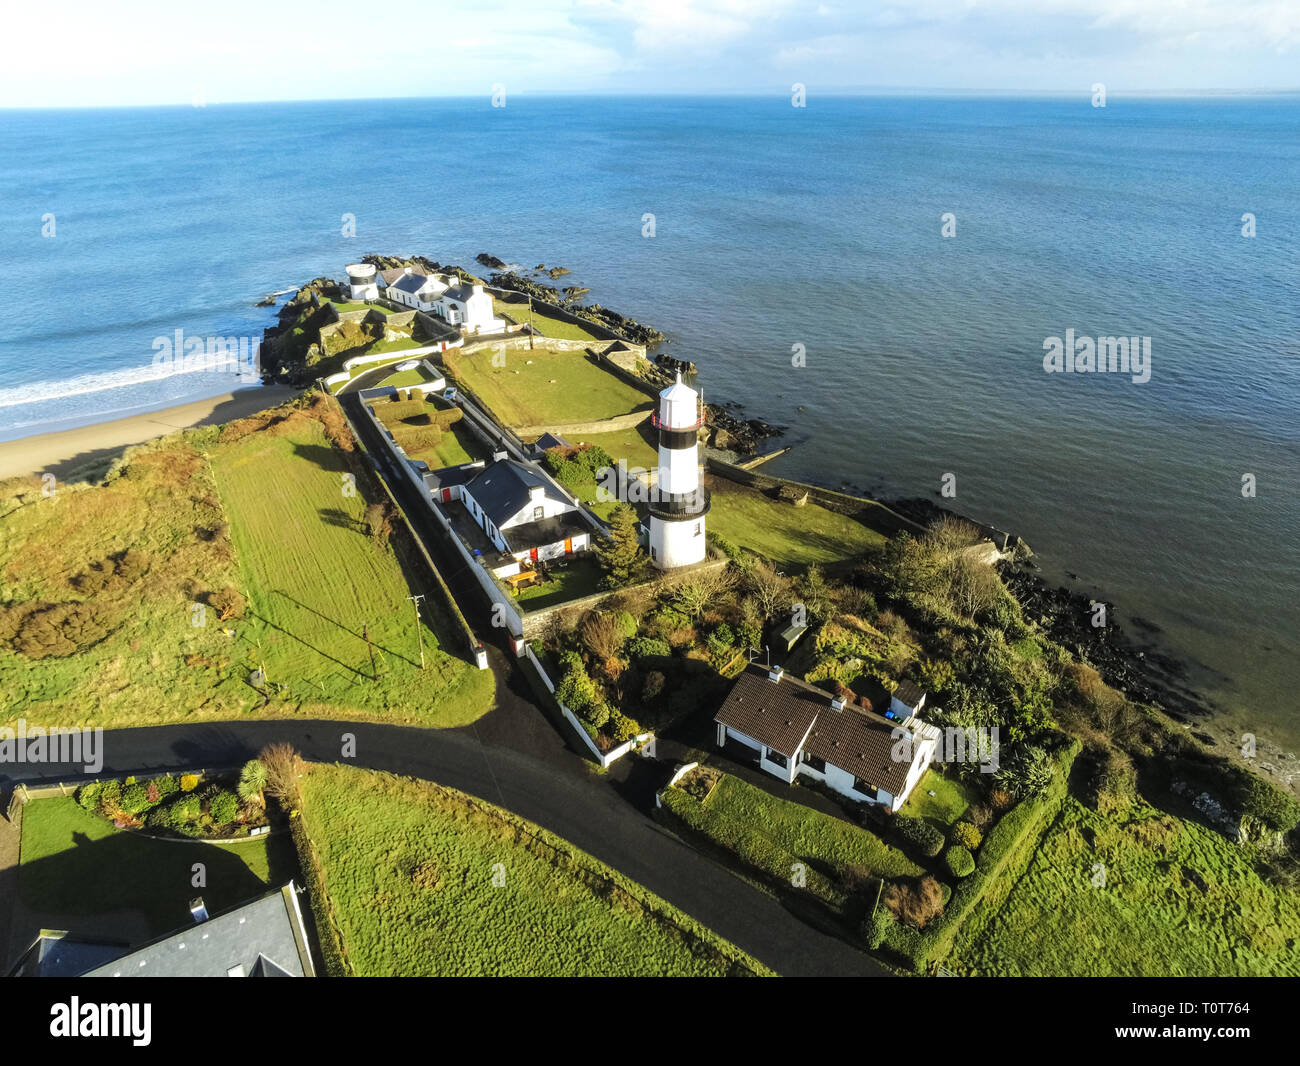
907	699
363	281
795	728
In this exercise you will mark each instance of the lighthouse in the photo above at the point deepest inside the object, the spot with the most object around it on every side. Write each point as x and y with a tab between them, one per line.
680	500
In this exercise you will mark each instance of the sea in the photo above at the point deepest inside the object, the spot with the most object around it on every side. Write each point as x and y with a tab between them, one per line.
881	275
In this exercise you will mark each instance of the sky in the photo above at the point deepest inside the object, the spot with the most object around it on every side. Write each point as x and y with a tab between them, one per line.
143	52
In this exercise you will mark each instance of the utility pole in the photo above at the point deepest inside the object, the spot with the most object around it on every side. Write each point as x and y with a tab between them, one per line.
419	632
532	333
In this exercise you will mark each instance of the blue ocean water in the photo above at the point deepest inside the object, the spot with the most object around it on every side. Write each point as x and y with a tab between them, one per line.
774	226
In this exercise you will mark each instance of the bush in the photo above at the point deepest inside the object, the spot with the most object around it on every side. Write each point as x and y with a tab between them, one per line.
223	807
135	799
876	927
161	817
959	861
110	799
189	782
88	796
621	727
166	785
627	625
966	835
183	809
918	835
654	685
252	780
1263	800
915	903
649	648
228	603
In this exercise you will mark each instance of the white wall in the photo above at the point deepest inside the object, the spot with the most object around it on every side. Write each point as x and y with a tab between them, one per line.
677	543
551	508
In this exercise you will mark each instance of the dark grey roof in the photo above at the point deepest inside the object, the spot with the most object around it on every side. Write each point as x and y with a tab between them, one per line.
860	743
391	274
777	714
461	292
504	489
411	283
60	954
909	694
551	440
545	531
450	476
269	928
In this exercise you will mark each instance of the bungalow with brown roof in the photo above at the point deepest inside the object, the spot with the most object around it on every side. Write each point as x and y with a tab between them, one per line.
795	728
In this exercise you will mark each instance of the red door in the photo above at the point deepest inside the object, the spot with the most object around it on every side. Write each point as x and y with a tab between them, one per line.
446	495
532	554
568	545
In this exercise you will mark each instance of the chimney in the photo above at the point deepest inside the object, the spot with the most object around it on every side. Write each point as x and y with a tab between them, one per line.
198	910
837	704
775	674
500	456
536	492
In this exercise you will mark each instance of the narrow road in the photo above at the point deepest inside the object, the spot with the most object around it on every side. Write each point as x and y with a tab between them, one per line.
559	794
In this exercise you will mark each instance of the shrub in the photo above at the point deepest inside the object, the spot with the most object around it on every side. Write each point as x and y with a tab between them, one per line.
110	799
1000	799
918	835
627	625
654	685
876	927
915	903
189	782
252	780
166	785
183	809
223	807
282	768
966	835
621	727
1261	799
959	861
151	791
61	629
649	648
135	799
88	796
161	817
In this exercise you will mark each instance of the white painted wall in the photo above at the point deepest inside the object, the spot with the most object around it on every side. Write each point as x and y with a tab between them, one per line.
677	543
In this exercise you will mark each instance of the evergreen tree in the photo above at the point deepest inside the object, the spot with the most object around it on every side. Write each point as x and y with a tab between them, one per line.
621	556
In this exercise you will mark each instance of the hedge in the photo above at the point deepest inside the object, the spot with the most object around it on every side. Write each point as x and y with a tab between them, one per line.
1007	851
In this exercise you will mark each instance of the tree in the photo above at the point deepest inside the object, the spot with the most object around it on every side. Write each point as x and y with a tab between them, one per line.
770	591
621	557
252	782
282	767
814	593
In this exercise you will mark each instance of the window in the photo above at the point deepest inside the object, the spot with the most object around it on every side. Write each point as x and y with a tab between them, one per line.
861	786
776	757
814	763
697	529
538	512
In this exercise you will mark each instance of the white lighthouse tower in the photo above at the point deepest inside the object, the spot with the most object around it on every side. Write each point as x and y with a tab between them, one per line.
681	502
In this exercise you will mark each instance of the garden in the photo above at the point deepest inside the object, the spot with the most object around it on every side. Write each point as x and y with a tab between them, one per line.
428	429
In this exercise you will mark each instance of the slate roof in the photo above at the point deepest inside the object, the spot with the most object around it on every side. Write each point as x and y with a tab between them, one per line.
860	743
260	935
503	489
459	293
411	283
909	693
392	274
790	714
56	953
777	714
545	531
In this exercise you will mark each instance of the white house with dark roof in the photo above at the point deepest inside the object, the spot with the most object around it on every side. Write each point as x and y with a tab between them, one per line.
794	728
466	306
520	509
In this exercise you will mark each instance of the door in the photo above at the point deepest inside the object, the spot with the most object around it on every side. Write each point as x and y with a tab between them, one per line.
446	495
532	554
568	545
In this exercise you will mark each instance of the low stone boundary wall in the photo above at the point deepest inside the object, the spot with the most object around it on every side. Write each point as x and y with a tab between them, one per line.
573	429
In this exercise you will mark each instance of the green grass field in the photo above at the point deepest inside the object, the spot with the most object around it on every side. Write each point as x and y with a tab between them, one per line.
265	514
317	581
546	324
580	578
75	864
1153	896
784	534
544	387
426	881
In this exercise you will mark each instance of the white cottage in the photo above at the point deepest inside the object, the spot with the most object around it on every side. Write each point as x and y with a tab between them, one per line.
794	728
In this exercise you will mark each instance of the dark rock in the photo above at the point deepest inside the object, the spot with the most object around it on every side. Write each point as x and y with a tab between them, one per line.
490	261
267	300
557	272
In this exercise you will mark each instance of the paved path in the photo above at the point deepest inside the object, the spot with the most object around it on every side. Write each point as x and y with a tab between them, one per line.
559	792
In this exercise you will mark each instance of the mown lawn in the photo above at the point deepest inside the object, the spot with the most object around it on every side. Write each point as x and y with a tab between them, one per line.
786	535
1153	896
545	324
819	839
264	514
427	881
75	864
544	387
948	803
580	578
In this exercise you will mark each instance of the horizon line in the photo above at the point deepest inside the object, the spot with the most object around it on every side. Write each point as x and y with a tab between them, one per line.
833	93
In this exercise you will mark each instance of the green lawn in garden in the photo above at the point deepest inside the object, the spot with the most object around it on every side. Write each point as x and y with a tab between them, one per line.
426	881
544	388
546	324
950	800
785	534
75	864
580	578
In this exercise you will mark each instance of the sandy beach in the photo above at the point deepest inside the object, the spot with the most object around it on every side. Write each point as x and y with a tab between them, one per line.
62	452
